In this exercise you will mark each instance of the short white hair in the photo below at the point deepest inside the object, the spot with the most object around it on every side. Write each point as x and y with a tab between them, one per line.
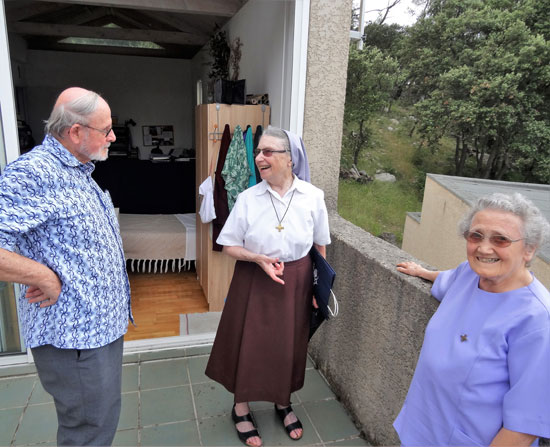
76	111
535	226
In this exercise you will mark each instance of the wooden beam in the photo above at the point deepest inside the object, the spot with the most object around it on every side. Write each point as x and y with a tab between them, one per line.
17	12
181	22
178	52
223	8
44	29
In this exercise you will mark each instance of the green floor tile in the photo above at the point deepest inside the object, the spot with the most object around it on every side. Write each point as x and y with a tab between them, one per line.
315	387
39	424
163	373
126	438
354	441
273	433
130	375
129	411
198	350
15	392
18	370
8	423
183	433
163	354
197	365
130	358
39	395
212	399
218	431
331	420
166	405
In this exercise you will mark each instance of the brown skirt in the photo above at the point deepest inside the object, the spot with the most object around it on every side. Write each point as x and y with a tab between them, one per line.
260	349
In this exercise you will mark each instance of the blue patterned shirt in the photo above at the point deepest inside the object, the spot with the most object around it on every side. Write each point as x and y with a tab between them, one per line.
52	211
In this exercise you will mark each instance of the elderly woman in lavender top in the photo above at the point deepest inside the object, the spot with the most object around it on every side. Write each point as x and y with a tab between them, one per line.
482	377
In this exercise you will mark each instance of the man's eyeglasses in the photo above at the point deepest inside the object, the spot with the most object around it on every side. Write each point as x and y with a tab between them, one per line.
103	131
498	240
267	152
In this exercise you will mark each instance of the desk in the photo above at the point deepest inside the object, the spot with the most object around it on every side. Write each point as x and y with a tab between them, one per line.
143	187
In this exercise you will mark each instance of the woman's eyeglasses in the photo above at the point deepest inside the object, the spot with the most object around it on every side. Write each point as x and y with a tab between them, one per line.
267	152
103	131
498	240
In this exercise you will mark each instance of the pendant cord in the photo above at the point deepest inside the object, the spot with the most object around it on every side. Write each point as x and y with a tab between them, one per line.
286	211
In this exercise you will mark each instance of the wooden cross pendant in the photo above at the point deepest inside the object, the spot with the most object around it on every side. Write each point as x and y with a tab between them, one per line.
279	227
464	337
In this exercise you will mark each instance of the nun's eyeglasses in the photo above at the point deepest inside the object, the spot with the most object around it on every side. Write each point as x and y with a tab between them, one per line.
268	152
498	240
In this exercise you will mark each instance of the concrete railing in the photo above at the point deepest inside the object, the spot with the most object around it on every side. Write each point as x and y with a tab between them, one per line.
368	353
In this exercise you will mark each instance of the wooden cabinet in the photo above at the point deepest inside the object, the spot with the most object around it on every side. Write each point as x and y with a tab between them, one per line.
215	269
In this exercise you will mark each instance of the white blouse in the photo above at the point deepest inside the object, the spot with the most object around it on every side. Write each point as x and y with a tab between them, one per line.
253	222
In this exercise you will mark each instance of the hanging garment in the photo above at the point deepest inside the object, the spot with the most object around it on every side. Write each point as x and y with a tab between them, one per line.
235	170
249	143
220	194
207	210
257	136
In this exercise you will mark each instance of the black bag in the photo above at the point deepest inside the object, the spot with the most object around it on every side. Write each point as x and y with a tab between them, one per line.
323	280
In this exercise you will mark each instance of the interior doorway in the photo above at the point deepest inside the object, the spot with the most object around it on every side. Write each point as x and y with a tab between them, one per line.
161	303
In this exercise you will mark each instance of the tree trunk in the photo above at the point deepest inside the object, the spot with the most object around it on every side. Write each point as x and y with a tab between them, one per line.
461	153
486	171
412	130
359	142
503	166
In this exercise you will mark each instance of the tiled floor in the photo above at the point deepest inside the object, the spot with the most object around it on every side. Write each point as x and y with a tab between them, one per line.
167	400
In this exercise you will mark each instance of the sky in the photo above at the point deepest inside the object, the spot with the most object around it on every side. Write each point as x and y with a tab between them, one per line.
398	14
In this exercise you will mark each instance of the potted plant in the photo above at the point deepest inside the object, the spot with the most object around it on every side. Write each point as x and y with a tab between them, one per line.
227	91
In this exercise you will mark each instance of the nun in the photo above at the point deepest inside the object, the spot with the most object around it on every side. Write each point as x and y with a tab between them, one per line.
260	349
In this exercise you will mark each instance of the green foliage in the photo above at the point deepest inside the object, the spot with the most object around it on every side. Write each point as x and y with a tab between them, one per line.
378	207
387	38
481	73
372	78
381	207
220	53
478	73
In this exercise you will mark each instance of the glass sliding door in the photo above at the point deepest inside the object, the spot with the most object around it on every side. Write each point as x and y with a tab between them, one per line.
10	337
10	340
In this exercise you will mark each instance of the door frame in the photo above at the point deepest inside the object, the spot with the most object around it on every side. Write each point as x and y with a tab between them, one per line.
10	143
9	118
7	98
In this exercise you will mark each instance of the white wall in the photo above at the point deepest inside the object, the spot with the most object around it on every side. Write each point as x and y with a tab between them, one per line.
151	91
265	28
7	103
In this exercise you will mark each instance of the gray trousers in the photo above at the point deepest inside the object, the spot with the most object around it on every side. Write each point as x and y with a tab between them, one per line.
85	385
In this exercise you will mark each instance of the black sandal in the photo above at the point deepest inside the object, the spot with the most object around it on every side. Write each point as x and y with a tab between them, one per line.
244	436
282	413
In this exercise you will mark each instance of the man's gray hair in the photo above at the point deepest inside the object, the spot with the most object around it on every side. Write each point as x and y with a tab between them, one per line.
280	134
535	226
77	111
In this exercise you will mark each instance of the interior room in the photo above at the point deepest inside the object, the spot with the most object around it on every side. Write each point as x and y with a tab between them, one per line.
151	61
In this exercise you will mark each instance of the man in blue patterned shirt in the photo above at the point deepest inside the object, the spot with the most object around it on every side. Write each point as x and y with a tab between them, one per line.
60	239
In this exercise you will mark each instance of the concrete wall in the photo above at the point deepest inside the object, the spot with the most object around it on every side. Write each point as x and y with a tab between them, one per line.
441	212
368	353
327	64
436	241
